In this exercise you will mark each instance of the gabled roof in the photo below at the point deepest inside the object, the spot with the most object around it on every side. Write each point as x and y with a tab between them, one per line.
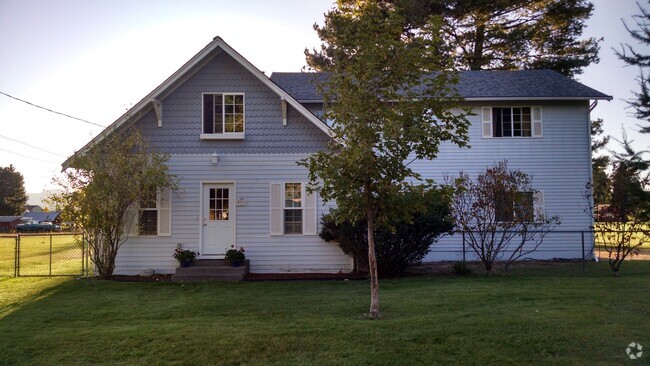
172	82
42	216
472	85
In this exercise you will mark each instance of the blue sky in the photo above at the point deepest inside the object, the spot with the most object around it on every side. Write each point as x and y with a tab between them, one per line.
95	59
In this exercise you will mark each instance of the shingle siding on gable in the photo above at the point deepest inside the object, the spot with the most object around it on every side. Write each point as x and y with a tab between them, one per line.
182	113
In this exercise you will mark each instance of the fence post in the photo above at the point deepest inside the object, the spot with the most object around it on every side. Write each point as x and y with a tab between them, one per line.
582	233
17	261
16	255
50	255
83	260
463	247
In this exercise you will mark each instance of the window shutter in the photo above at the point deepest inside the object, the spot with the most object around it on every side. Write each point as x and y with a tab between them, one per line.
537	121
486	116
276	209
164	206
538	206
131	220
309	219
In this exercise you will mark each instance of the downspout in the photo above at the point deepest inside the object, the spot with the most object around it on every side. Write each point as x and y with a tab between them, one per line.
592	106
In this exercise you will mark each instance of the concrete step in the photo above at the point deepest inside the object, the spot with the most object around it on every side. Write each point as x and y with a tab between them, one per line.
211	270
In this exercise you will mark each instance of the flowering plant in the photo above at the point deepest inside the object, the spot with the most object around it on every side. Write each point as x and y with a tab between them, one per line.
183	255
234	255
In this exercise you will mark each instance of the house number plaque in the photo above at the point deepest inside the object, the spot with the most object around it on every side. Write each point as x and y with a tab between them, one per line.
241	201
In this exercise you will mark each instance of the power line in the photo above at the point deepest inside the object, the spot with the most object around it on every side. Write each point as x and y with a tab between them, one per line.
35	147
49	110
29	157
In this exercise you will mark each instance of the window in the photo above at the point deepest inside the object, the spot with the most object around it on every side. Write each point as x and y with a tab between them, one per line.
223	115
320	113
219	204
509	206
151	215
148	215
512	121
293	208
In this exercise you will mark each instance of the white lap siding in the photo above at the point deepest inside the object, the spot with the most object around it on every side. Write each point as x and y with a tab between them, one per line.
252	175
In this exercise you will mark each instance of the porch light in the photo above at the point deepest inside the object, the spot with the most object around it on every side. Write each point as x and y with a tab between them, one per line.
214	159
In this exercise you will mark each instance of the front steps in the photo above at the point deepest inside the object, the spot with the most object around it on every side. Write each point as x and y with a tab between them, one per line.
211	270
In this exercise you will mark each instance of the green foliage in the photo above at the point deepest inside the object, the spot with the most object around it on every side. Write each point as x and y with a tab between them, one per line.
234	255
510	34
641	34
462	269
183	255
496	214
12	192
601	184
630	183
404	242
102	184
388	109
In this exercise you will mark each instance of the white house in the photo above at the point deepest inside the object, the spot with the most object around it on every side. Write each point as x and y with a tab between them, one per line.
234	136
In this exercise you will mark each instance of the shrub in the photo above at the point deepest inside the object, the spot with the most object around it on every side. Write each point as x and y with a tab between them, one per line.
234	255
462	269
400	243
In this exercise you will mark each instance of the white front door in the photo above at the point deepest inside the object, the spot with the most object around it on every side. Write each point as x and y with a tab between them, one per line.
218	218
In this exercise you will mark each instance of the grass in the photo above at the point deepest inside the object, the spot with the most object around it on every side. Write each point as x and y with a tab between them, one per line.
35	255
514	319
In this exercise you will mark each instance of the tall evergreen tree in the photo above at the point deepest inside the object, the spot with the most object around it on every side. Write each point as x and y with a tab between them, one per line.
510	34
387	107
631	56
12	192
600	180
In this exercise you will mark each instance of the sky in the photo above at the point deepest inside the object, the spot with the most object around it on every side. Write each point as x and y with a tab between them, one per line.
95	59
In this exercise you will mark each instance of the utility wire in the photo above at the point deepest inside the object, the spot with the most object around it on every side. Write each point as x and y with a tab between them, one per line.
29	157
49	110
35	147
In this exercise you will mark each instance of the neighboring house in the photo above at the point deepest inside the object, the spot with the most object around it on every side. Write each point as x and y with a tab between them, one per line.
33	208
8	223
42	216
234	137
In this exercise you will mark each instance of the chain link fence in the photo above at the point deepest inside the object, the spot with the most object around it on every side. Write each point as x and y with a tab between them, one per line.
555	245
23	255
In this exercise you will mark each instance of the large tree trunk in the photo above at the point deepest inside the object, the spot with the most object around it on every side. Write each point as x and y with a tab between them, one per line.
372	264
477	62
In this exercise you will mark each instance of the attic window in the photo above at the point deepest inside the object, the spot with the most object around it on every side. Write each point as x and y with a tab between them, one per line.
223	116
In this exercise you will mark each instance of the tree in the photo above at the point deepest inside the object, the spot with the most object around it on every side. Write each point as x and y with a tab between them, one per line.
497	217
405	242
510	34
641	101
12	192
388	108
101	188
621	228
600	180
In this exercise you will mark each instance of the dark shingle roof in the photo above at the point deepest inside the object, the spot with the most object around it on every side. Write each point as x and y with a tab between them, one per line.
477	85
42	216
9	219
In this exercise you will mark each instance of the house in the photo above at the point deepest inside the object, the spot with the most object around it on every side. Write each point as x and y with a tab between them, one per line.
8	223
33	208
234	136
40	216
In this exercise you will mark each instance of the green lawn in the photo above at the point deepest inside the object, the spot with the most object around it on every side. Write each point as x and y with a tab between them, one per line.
35	256
514	319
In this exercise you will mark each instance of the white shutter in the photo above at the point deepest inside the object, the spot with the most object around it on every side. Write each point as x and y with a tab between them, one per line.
538	206
309	214
164	206
537	121
131	220
486	117
276	209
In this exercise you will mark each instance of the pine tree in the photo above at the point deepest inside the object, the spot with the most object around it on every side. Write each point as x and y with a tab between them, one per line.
12	192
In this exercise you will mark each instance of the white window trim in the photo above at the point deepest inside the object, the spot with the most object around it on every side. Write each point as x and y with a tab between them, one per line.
134	229
224	135
488	123
308	208
301	208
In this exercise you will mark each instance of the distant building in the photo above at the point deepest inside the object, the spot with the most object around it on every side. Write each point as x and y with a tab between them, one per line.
33	208
41	216
8	223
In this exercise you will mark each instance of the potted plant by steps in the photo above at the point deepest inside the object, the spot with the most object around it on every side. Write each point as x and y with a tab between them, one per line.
235	256
185	256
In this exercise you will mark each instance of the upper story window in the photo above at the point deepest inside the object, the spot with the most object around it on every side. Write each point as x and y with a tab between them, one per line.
512	121
223	116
